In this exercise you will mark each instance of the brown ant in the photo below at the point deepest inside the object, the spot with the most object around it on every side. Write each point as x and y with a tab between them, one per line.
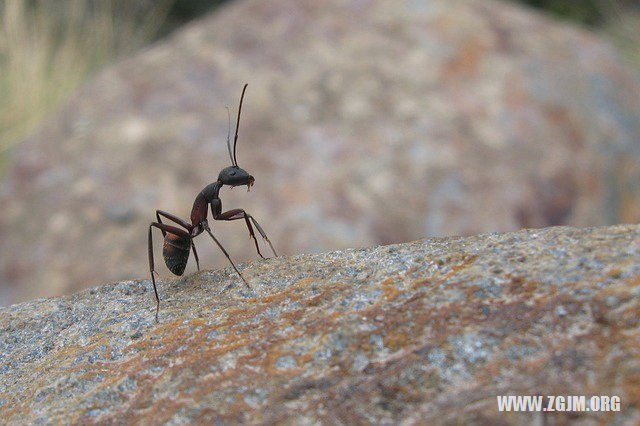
178	242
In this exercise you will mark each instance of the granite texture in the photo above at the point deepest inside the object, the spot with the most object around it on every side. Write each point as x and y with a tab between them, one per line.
424	332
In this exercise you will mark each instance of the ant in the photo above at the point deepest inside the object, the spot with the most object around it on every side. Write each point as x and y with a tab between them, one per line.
178	242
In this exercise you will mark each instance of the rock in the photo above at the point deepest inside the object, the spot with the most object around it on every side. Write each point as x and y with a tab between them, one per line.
424	332
367	122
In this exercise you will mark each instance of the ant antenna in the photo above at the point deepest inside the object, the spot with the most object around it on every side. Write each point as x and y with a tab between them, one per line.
229	135
235	139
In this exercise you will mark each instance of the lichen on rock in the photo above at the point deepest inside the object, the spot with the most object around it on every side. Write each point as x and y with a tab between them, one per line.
428	331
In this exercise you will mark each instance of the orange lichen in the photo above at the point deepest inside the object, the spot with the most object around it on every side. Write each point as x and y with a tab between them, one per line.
339	343
389	292
396	340
423	282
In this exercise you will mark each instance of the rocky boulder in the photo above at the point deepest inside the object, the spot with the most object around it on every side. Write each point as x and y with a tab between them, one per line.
425	332
365	122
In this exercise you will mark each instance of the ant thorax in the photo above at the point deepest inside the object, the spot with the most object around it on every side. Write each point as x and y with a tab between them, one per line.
201	203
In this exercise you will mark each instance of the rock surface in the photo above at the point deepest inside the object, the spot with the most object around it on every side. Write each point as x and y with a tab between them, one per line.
429	331
366	122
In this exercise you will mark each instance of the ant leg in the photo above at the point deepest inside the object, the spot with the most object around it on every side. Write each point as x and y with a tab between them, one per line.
206	228
152	271
236	214
263	234
164	228
174	219
195	253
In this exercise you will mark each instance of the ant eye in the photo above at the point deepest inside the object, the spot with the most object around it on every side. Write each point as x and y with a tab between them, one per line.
232	172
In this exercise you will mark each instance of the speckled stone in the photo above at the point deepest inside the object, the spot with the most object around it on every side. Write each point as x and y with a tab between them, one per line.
429	331
365	122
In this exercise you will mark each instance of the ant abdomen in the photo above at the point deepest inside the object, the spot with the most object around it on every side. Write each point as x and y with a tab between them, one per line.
176	252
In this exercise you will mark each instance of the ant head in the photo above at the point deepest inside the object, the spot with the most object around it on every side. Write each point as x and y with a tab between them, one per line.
234	175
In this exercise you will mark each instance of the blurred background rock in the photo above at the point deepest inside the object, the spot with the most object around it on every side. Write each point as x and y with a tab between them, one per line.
366	122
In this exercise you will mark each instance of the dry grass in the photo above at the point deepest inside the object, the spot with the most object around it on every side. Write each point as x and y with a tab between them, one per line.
47	49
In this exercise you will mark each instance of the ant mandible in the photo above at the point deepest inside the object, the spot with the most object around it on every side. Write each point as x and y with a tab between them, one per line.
178	243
